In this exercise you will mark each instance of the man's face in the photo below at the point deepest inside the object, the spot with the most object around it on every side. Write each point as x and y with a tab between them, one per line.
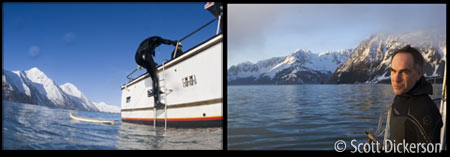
403	74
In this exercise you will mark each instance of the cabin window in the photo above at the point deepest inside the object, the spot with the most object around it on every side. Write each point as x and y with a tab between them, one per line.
189	81
128	99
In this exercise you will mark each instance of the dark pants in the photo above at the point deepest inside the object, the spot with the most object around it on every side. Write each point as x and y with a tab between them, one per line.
150	65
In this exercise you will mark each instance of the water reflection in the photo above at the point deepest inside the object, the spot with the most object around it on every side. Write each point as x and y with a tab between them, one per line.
134	136
145	137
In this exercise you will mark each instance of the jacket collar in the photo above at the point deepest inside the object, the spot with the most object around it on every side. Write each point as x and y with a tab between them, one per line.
422	87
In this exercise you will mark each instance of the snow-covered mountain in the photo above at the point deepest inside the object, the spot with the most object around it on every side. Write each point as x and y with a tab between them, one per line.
107	108
371	60
302	66
77	96
34	87
368	63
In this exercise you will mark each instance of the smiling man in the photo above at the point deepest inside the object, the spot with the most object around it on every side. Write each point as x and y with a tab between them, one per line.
415	117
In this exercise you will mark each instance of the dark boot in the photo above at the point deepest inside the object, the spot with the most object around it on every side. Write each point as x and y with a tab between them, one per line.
159	105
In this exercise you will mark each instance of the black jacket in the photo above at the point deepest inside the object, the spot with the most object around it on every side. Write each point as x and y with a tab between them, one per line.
150	44
147	48
415	117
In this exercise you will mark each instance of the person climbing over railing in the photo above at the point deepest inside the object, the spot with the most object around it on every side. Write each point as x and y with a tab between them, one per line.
144	58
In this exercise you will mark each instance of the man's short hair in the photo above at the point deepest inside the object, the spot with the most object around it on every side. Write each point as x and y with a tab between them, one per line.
417	56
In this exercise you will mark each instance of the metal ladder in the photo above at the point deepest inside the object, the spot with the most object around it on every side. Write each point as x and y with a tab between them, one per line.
165	101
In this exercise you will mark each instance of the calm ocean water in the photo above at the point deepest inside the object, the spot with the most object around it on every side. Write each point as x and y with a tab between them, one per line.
304	117
37	127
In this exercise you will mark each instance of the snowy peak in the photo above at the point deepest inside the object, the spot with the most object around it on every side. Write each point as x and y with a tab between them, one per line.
36	75
302	51
47	87
77	96
289	60
35	70
338	57
71	89
342	51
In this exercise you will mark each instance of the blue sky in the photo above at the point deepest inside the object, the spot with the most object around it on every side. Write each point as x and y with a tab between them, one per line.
262	31
92	45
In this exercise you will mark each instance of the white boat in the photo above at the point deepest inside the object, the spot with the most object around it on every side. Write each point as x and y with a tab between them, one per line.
192	87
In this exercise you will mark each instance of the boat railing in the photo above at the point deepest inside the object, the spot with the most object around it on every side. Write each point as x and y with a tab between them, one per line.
435	79
198	29
130	75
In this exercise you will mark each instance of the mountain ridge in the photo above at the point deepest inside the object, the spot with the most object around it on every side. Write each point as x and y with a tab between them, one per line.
34	87
369	62
301	66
